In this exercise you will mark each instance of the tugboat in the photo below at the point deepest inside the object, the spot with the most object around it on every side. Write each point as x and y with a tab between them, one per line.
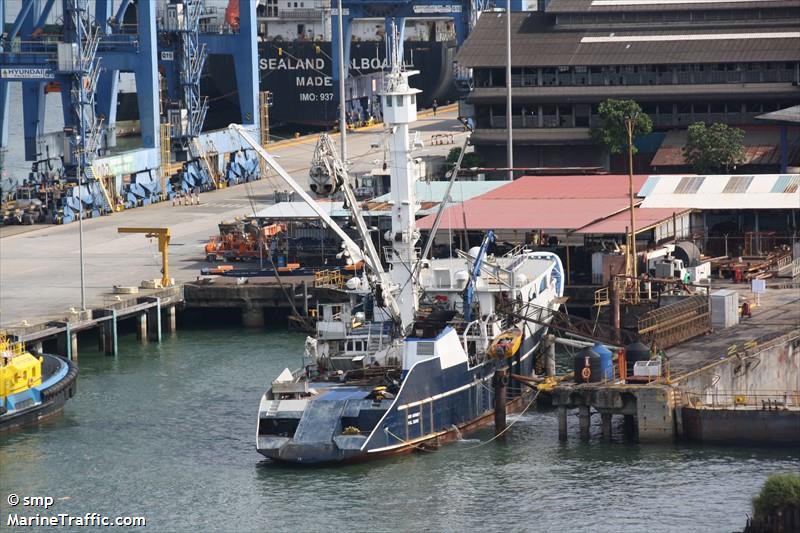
32	388
405	363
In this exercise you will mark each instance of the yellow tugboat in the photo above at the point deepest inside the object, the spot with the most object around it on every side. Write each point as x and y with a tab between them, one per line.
31	387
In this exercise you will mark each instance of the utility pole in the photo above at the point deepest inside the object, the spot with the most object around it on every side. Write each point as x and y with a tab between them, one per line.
81	141
342	99
509	116
630	122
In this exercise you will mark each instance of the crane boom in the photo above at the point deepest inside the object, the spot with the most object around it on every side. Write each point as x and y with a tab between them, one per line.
352	248
469	290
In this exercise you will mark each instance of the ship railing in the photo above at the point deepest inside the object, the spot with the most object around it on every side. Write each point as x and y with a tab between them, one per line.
329	278
296	14
762	399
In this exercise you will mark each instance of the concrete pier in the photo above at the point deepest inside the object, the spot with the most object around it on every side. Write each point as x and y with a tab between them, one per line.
118	259
253	317
762	379
103	322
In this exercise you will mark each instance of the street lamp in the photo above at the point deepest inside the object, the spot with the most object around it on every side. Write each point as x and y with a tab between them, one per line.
630	124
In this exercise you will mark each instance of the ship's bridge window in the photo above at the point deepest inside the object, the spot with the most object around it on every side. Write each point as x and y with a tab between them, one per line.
389	101
399	99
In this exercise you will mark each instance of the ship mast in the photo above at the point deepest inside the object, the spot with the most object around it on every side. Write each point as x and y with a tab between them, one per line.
399	102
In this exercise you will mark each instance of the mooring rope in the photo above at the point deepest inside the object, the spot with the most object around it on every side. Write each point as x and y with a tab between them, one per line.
422	448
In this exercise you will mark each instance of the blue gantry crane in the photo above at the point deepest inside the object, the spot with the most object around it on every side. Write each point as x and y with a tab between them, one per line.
81	55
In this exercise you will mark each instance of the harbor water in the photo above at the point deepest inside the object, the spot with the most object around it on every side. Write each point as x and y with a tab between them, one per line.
167	432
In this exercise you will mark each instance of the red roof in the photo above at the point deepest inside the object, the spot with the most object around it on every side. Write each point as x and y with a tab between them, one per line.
761	146
598	186
541	203
644	217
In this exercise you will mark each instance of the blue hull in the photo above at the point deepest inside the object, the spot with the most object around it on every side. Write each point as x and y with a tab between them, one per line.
433	405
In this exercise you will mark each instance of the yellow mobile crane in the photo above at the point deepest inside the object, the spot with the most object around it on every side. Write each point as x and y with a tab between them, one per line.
163	246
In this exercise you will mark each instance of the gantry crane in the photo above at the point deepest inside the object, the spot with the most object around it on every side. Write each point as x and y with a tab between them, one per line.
163	246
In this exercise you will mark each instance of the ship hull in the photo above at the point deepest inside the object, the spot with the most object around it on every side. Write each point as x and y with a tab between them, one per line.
299	76
51	399
434	405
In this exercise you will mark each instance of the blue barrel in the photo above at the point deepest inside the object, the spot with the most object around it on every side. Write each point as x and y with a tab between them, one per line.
281	261
606	360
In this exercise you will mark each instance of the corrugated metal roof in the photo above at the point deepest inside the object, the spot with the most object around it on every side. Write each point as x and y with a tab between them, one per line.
298	210
660	192
549	214
644	218
433	191
761	145
542	203
535	42
790	114
541	187
583	6
430	194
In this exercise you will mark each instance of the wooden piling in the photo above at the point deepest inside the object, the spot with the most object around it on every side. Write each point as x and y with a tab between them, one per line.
584	420
500	381
562	423
605	418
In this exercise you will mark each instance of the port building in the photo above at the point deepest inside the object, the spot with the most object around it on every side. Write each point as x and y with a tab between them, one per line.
682	61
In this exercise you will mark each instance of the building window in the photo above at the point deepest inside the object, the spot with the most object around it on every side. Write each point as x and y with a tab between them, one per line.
272	8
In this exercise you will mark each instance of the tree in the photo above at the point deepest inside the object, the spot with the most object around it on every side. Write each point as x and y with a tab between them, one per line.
713	149
471	159
612	132
780	492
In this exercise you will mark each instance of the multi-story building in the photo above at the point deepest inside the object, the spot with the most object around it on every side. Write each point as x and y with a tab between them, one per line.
683	61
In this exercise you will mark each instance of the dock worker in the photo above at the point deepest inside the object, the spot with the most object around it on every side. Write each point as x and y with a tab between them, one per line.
434	106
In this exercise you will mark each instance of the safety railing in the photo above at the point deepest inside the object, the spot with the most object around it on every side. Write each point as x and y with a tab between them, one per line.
329	278
601	297
8	346
767	400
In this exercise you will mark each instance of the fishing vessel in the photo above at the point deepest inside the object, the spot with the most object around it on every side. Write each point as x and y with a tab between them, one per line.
405	362
32	387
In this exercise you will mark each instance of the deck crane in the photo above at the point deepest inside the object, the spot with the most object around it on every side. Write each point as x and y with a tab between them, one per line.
369	255
469	290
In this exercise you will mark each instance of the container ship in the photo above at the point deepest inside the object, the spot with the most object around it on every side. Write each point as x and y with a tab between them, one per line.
296	66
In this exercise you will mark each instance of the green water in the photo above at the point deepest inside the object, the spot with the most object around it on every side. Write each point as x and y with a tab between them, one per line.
167	432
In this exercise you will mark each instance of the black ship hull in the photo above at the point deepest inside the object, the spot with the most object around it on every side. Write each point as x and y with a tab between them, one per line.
299	75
